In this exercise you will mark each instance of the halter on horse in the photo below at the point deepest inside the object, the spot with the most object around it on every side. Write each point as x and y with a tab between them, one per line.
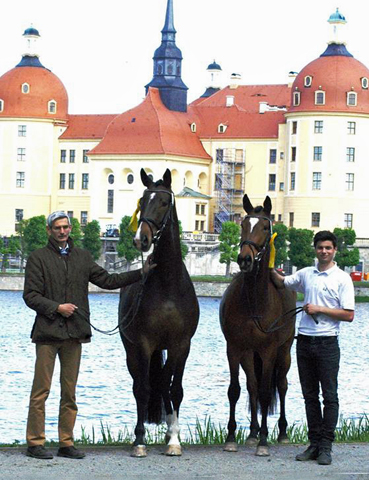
248	313
166	318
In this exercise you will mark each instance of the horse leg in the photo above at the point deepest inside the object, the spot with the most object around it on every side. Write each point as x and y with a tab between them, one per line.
175	391
248	365
138	363
234	391
283	366
265	398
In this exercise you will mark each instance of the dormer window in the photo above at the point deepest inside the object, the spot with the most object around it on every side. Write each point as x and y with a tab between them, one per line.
308	80
25	88
51	106
319	97
1	105
193	127
296	98
365	83
351	99
222	128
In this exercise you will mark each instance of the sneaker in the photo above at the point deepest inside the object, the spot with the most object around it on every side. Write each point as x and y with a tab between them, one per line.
39	451
324	457
310	453
70	452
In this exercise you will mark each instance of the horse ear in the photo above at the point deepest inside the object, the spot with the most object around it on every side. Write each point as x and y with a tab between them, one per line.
247	205
267	205
167	178
146	180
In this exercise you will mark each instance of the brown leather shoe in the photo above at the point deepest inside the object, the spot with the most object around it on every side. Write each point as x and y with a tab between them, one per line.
70	452
39	451
310	453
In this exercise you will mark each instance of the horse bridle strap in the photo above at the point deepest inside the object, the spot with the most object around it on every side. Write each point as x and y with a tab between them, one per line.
150	221
258	248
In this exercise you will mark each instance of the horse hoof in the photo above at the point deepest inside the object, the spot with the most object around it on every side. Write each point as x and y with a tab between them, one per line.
262	451
283	440
174	451
139	451
230	447
251	442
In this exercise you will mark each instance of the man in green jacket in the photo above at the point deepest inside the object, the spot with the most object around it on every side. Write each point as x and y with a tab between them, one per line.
56	287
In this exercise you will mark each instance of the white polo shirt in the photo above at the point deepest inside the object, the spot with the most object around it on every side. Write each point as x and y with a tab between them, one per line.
332	288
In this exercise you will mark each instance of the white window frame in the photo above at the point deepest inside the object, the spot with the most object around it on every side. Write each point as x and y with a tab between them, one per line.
296	99
348	220
318	126
222	128
317	181
365	83
27	87
1	105
51	103
308	80
351	96
350	182
317	92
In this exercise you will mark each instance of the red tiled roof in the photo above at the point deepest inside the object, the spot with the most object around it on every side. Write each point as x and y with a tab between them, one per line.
150	128
87	126
248	97
43	87
335	75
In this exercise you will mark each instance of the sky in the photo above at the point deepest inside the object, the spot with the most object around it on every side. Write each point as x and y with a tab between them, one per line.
102	51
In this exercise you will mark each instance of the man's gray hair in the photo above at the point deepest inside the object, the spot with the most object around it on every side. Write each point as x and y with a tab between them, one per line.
56	216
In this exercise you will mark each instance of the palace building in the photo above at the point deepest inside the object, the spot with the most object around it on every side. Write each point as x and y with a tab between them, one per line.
303	143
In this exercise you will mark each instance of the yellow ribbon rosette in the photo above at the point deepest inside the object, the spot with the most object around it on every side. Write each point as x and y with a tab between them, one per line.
133	224
272	250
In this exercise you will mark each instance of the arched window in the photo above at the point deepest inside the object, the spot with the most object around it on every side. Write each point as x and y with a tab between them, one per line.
51	106
111	179
222	128
130	178
25	88
319	97
365	83
351	99
193	127
296	98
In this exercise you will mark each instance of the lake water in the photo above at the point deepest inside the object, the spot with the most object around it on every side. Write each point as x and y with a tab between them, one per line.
105	387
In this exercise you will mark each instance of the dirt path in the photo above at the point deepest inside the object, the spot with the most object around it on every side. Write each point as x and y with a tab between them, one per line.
350	462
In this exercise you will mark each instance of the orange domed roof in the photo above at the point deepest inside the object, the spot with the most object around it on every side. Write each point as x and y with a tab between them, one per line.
27	92
336	73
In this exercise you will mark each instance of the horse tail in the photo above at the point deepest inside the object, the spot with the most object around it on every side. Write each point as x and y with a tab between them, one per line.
155	410
258	369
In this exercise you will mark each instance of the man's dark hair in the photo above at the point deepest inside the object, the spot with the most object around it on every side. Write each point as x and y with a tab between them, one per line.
325	235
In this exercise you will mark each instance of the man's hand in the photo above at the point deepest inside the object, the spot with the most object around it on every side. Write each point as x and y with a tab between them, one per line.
66	309
311	309
148	265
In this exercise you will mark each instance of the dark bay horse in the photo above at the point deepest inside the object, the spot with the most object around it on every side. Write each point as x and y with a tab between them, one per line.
258	333
160	314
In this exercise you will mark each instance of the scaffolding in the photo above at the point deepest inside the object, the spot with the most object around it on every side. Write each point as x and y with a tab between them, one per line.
229	185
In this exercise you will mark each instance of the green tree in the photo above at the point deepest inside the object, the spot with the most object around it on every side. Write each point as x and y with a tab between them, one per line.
229	244
184	247
12	248
125	247
280	243
34	234
347	255
76	233
91	239
301	252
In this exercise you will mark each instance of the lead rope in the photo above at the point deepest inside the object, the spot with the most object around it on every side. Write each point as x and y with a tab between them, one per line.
134	306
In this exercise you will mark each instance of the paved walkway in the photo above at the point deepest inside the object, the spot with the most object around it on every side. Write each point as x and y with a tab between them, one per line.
350	462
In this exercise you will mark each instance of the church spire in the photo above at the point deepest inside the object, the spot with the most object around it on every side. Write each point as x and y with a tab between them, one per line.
167	67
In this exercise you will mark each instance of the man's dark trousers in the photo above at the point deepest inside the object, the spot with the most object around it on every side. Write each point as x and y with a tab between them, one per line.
318	364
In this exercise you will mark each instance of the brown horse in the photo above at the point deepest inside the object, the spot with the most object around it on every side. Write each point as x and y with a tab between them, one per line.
159	314
258	331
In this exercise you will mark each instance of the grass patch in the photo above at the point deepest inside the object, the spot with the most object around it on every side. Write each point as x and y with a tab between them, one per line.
207	433
211	278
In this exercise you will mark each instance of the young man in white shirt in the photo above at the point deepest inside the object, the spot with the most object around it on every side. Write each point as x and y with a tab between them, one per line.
329	296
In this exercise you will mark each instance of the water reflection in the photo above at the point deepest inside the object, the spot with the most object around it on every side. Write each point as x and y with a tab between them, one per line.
105	387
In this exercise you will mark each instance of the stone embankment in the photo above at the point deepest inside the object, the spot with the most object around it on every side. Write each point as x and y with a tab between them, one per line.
203	289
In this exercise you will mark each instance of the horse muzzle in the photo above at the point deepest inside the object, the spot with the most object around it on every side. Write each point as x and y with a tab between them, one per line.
245	263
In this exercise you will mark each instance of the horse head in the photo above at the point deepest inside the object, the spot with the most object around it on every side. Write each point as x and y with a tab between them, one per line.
255	234
156	206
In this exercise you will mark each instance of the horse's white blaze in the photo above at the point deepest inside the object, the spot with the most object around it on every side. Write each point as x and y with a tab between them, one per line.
138	233
152	196
173	429
253	222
